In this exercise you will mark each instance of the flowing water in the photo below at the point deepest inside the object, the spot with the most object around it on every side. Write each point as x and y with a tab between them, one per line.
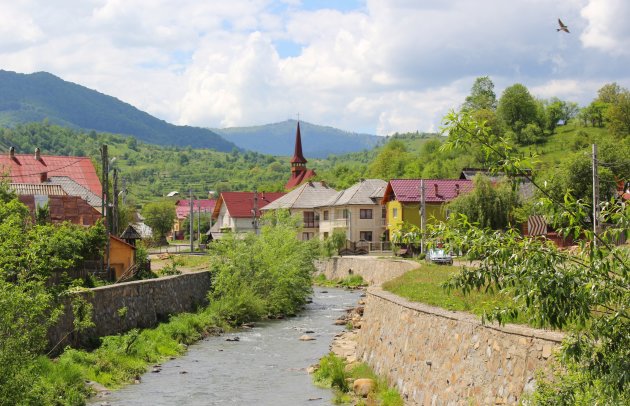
267	366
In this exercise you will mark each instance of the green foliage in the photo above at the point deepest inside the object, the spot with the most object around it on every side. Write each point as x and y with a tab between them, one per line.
160	217
273	268
350	281
516	109
488	205
332	244
585	291
482	96
331	373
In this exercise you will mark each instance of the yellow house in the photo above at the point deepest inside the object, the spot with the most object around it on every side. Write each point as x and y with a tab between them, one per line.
402	199
121	256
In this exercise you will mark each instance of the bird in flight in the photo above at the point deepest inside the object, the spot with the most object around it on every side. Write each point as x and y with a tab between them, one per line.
562	27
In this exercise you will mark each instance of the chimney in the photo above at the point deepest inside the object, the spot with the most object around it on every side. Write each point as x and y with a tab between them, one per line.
12	153
38	154
435	186
43	177
457	189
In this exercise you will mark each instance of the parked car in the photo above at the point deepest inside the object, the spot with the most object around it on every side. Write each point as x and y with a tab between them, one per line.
438	256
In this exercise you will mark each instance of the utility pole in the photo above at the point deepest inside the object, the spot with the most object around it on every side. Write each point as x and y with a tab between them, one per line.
105	199
255	212
124	191
423	214
595	196
198	224
191	220
115	208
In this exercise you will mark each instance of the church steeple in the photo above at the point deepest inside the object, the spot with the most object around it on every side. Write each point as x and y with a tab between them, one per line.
299	173
298	157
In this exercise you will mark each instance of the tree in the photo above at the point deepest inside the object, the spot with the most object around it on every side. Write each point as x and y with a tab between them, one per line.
488	205
585	292
390	162
618	114
516	109
482	96
160	216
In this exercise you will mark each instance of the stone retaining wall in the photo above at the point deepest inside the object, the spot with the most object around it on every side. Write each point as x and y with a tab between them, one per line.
139	304
374	270
440	357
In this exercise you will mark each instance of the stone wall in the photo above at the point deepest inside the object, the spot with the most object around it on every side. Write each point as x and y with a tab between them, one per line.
138	304
440	357
374	270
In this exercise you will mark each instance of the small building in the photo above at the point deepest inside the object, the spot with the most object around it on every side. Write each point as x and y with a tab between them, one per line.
357	211
238	212
122	257
402	199
304	201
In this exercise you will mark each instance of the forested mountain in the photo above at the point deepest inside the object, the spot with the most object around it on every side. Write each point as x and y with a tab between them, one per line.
317	141
42	96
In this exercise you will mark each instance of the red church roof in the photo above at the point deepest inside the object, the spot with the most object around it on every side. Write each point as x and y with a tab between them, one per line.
182	207
240	204
436	190
298	157
300	178
24	168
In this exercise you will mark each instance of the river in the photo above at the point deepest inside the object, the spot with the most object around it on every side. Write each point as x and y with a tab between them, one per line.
267	366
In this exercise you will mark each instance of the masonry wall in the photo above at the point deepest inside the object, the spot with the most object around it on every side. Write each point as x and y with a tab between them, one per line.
374	271
439	357
139	304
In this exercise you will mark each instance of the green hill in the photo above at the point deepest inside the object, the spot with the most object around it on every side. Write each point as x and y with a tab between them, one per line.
317	141
41	96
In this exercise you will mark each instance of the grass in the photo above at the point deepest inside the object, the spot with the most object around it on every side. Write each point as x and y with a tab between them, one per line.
425	285
333	373
351	281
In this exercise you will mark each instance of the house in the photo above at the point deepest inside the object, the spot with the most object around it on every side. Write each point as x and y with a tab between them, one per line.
38	168
182	211
61	207
525	185
299	172
238	212
304	201
402	198
73	188
357	211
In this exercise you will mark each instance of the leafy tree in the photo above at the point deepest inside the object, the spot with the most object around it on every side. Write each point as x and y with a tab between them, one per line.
487	205
585	292
390	162
516	109
618	114
160	216
482	96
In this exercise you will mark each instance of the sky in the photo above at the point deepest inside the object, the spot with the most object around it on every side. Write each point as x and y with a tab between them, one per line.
375	66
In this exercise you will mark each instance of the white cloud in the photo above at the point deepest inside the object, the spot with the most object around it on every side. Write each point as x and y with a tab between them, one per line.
391	65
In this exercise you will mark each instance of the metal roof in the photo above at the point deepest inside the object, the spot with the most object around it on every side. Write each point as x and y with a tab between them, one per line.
240	204
362	193
436	190
37	189
73	188
307	196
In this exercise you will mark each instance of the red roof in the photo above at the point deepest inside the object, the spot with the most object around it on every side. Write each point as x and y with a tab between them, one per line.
182	207
300	178
298	157
436	190
240	204
24	168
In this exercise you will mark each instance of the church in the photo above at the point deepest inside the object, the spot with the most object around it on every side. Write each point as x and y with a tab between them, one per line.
299	172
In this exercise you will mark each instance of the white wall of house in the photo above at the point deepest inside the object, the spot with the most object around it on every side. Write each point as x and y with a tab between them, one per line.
349	218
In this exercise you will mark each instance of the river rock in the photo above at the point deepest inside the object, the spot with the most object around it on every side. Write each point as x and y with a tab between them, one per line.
340	322
309	332
233	339
363	386
310	370
306	337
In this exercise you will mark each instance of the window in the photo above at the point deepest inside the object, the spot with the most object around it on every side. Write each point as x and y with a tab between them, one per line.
365	213
325	214
395	212
384	212
325	235
307	236
310	220
365	235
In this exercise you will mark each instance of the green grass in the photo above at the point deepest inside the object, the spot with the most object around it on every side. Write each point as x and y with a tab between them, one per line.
424	285
351	281
332	374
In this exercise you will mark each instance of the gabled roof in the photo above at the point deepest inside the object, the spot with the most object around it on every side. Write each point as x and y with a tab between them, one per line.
307	196
24	168
436	190
73	188
130	233
37	189
241	204
362	193
299	179
182	207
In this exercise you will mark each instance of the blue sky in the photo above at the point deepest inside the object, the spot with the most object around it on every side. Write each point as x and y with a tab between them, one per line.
376	66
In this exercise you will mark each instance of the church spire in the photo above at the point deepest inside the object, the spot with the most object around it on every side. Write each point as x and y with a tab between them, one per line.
298	157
